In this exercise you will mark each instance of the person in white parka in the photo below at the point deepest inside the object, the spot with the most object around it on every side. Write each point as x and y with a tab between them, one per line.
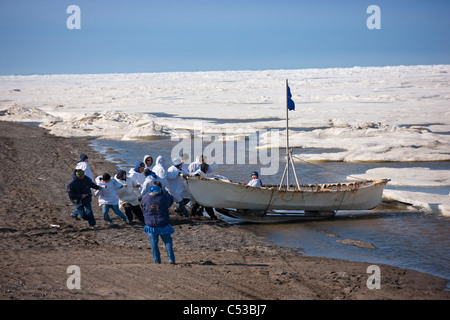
177	186
128	200
160	170
83	164
137	173
255	181
148	161
107	197
195	167
150	177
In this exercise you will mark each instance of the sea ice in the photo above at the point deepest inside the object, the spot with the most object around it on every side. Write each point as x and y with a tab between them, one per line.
108	124
251	100
430	203
13	112
416	176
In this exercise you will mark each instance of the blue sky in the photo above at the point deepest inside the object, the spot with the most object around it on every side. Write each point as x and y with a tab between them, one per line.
193	35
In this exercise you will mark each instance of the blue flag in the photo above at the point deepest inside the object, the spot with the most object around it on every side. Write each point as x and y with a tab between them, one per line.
290	102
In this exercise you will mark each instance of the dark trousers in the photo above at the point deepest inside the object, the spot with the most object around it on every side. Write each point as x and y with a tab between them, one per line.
181	206
86	213
197	210
136	210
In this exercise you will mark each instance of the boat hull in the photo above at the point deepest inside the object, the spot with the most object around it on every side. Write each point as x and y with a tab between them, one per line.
218	193
275	216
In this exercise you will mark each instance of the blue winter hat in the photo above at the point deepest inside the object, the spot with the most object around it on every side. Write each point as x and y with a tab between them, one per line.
155	189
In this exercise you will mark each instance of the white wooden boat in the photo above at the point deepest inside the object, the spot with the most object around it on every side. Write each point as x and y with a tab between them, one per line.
254	203
282	203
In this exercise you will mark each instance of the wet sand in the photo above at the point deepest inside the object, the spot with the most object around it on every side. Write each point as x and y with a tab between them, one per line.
215	261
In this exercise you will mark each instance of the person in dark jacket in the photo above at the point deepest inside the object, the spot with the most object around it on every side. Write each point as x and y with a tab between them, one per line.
156	206
79	190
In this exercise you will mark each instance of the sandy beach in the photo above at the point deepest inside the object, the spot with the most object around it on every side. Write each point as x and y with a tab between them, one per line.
215	260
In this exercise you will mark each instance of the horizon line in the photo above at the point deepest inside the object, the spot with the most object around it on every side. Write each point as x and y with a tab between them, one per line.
207	71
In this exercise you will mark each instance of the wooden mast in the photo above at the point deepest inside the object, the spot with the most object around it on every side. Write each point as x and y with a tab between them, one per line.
289	160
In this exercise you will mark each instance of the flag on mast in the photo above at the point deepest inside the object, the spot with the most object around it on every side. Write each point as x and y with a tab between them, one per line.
290	102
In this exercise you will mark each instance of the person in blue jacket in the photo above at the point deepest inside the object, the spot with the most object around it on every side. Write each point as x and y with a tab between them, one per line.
156	206
79	190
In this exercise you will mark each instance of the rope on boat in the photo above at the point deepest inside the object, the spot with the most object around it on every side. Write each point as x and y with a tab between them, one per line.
270	201
305	161
327	169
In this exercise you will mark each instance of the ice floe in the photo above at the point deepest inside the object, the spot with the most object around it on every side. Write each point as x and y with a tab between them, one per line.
428	202
107	125
415	176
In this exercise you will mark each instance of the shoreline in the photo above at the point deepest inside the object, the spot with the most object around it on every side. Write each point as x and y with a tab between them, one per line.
214	260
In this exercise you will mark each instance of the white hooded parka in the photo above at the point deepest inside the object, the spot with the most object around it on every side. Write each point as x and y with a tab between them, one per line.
160	171
127	194
176	184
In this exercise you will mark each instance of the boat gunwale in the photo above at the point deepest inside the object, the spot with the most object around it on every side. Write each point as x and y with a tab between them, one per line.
323	187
